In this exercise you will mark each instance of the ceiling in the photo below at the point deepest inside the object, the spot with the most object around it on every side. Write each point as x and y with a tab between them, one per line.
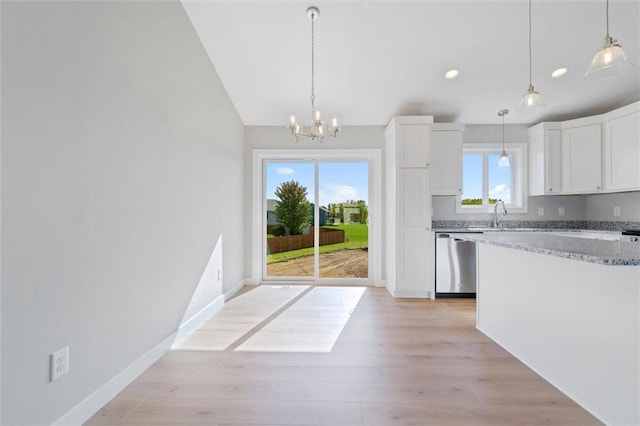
378	59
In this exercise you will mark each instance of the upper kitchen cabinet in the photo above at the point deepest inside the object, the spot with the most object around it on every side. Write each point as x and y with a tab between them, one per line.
581	156
446	158
586	156
621	153
544	159
413	138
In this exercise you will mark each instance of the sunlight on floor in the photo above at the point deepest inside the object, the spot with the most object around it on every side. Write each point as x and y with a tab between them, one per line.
312	324
239	316
278	318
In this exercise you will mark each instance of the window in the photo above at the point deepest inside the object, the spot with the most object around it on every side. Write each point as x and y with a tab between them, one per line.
483	183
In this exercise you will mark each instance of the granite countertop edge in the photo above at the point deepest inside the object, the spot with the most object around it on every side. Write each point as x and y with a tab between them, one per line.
592	251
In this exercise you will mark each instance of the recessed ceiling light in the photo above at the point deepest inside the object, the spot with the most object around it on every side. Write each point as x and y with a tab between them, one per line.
559	72
451	74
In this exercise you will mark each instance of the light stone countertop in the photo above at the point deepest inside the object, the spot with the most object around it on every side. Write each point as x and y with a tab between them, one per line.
585	249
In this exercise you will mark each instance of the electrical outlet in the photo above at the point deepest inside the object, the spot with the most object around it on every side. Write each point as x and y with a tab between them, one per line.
219	274
540	211
616	211
560	211
59	364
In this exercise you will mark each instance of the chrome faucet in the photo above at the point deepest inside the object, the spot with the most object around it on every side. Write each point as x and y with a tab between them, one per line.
496	220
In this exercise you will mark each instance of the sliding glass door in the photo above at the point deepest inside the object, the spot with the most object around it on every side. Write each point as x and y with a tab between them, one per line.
344	211
315	220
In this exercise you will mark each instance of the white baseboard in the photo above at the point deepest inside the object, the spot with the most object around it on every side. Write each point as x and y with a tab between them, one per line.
105	393
236	288
412	294
94	402
198	319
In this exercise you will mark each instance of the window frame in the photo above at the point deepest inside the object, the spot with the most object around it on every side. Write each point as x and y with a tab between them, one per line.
518	154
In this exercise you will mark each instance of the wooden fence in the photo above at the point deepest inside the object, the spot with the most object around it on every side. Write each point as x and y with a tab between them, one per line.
295	242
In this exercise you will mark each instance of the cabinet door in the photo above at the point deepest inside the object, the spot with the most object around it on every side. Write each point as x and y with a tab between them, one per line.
446	163
415	255
552	157
414	200
622	153
581	169
413	145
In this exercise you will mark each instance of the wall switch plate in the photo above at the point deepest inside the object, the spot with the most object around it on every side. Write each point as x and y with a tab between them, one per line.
58	364
219	274
560	211
616	211
540	211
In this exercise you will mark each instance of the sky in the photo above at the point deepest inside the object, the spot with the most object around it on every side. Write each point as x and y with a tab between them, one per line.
499	178
338	181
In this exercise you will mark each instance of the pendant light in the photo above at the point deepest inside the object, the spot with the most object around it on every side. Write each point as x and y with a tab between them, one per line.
610	60
531	101
317	130
503	160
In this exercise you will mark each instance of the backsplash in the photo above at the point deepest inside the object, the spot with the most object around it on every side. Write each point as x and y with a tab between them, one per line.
541	224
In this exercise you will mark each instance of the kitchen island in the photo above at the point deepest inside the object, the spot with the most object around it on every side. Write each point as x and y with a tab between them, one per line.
569	308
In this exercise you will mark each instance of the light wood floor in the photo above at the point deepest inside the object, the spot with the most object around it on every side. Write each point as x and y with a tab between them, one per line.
397	362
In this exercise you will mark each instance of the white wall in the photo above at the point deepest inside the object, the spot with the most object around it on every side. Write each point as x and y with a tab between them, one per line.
122	164
600	207
270	137
1	133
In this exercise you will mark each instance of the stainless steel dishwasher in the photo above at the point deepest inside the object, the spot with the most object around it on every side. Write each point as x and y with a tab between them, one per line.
455	266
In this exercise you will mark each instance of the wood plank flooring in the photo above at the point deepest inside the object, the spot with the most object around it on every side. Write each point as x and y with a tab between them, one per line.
396	362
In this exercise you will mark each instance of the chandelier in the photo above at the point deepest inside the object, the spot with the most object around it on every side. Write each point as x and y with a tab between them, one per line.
317	130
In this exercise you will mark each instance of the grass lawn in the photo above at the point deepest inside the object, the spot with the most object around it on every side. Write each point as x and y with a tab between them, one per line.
355	237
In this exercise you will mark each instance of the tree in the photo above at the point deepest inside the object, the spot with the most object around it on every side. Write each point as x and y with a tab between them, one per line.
293	209
364	211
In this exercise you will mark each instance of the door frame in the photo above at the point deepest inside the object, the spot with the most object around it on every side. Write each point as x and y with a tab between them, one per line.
258	208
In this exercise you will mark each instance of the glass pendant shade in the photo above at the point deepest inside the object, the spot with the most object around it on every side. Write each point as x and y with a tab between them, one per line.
531	101
503	160
609	61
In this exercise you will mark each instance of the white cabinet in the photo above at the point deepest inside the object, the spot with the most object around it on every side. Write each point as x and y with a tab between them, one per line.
414	265
413	145
581	156
588	155
409	246
414	202
544	159
446	159
621	153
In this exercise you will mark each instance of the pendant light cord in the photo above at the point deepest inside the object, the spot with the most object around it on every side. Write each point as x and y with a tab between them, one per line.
530	43
313	107
502	132
607	18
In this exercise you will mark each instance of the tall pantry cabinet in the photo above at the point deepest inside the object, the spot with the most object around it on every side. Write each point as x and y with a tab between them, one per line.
409	240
